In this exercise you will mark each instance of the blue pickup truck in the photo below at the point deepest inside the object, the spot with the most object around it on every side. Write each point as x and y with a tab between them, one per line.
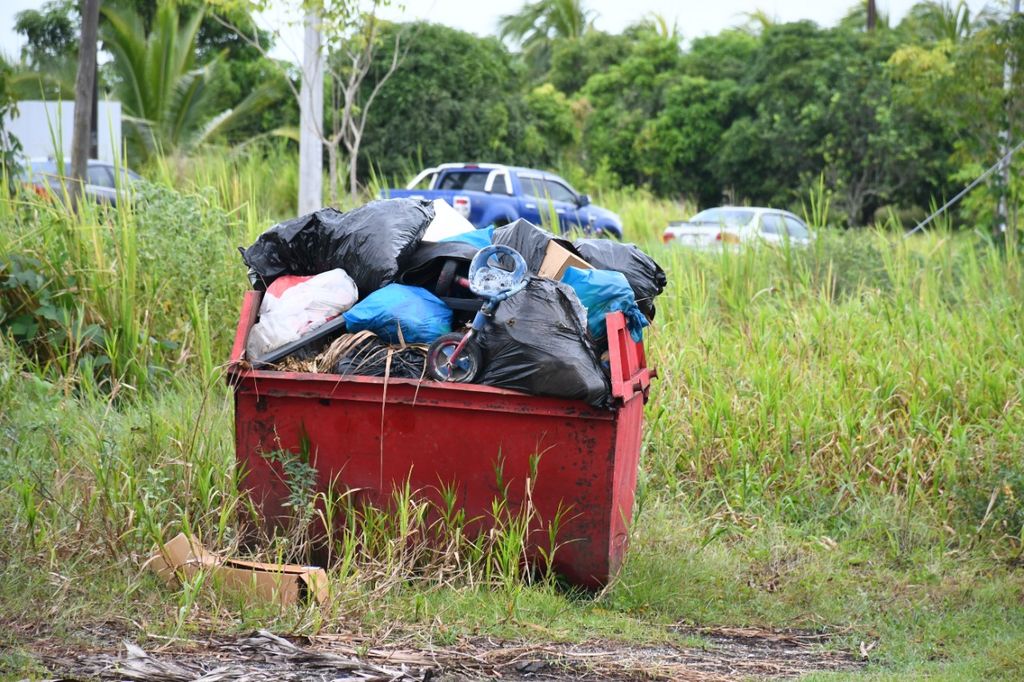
490	194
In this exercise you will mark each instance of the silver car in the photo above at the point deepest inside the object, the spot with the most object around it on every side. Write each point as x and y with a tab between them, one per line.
716	227
101	186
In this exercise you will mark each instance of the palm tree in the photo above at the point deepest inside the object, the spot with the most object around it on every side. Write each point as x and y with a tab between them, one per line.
541	22
57	81
544	20
758	21
165	96
942	21
865	15
658	25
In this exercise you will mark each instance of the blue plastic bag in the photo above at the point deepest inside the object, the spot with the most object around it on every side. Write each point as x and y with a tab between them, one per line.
602	292
422	316
477	238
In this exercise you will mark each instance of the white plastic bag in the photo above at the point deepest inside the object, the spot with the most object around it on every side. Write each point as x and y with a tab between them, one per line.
447	222
293	306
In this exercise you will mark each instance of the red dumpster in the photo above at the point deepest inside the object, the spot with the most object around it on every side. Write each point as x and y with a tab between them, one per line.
373	435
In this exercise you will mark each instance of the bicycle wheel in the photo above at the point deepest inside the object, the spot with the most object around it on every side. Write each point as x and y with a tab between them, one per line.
466	367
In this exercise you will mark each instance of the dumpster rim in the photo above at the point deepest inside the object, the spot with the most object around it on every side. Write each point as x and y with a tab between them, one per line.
629	373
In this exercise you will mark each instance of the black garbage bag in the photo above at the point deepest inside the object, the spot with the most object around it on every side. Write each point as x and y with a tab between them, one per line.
644	275
436	266
371	243
530	241
426	265
537	342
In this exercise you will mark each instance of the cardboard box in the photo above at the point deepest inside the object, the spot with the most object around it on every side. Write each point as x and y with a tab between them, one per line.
557	258
285	583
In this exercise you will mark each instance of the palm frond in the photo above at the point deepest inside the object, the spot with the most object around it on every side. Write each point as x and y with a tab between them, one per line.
229	119
165	95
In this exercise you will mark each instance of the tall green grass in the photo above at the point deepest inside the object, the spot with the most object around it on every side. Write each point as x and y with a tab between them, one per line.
795	387
868	388
115	297
798	380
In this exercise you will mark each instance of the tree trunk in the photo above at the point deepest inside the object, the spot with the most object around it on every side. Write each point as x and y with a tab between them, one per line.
332	176
353	162
85	84
872	15
311	117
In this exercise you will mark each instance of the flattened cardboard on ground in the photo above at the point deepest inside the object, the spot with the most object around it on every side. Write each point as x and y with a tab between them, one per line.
285	583
556	259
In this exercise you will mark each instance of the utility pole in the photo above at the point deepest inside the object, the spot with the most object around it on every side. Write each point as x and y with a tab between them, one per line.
311	116
872	15
1007	224
85	91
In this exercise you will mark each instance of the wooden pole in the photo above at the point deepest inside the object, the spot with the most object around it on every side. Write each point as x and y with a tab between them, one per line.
85	88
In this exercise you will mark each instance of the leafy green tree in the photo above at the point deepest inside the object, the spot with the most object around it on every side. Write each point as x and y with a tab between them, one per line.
653	124
456	97
962	83
620	101
551	130
237	69
240	69
48	58
658	24
727	55
163	92
767	153
573	62
675	149
51	33
823	101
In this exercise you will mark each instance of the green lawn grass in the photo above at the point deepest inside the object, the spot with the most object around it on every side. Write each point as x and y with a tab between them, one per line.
833	444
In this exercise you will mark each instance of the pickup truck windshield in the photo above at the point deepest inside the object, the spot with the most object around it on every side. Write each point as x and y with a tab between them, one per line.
464	180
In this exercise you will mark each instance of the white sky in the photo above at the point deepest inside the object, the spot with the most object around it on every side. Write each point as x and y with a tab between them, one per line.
694	18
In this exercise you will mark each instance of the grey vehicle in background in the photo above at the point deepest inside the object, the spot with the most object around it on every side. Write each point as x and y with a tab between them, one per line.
716	227
44	178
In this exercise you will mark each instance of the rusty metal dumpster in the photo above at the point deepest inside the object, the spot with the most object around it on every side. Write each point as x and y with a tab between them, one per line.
373	435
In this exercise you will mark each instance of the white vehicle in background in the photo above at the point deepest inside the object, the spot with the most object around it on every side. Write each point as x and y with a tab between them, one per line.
716	227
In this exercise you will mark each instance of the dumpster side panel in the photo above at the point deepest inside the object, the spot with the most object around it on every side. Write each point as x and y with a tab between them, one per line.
371	435
375	446
628	437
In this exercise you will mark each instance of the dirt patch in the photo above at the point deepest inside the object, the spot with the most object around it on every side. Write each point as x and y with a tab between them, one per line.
263	657
739	652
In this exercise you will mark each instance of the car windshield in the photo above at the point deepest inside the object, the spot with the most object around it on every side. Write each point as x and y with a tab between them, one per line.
723	216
